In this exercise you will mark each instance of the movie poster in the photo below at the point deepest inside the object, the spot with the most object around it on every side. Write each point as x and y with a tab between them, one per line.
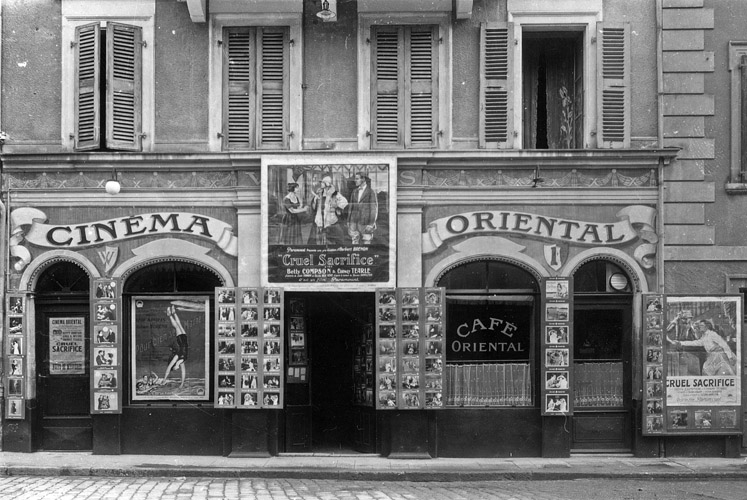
329	223
67	346
170	348
702	351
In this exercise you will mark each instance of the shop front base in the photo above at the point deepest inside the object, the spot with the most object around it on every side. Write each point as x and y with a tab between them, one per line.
408	432
18	434
254	433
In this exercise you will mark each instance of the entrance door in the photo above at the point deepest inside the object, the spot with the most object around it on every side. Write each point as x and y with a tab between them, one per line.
321	414
602	419
63	376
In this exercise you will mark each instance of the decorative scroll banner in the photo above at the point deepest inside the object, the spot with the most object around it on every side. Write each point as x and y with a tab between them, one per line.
637	221
85	235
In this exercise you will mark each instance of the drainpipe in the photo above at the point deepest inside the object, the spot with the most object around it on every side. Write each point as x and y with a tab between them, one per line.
660	139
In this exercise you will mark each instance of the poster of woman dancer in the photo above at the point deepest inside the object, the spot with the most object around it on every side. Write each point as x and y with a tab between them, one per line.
170	348
328	222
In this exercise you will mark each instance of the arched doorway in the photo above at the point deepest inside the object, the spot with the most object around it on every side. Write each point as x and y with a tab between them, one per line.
602	354
62	359
171	413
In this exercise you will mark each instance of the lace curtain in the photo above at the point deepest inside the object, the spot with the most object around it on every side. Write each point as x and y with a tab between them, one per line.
598	384
506	384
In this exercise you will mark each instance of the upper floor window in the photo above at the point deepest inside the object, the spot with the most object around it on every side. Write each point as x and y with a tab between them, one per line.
404	87
738	70
107	81
404	77
107	93
554	81
255	88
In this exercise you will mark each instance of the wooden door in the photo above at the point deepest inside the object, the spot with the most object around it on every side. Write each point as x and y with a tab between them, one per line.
602	419
63	377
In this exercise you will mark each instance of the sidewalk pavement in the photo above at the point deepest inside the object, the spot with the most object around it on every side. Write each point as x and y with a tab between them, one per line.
372	467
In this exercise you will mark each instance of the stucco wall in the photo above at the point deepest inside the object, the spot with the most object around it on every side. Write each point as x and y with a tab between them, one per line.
31	55
330	76
182	81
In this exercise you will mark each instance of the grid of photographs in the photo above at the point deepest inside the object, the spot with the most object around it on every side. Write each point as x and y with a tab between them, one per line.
298	340
106	365
363	372
249	348
556	347
654	402
409	332
15	357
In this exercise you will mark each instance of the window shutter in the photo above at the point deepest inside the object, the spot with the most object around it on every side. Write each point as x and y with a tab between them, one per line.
422	87
388	112
238	94
87	84
743	121
613	85
124	49
496	91
273	99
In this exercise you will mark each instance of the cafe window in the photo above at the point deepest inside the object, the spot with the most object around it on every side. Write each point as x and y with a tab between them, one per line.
490	345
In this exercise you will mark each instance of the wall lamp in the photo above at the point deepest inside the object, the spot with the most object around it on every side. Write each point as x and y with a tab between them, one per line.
327	14
113	186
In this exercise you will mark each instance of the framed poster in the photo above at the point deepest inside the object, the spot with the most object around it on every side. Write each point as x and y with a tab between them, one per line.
170	349
328	223
67	346
691	355
15	355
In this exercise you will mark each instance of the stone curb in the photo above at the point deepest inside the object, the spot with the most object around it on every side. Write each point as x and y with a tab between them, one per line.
368	475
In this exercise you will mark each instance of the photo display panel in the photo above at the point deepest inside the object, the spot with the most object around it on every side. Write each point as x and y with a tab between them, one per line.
692	358
557	346
106	340
298	337
249	348
363	359
409	332
15	356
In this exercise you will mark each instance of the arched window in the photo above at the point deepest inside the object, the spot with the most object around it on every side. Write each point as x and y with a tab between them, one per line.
62	279
489	334
168	305
602	335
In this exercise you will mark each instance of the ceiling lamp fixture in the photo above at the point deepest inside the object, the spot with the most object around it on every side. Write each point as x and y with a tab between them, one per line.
326	14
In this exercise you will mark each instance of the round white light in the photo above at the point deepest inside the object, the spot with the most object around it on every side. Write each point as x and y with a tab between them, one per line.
113	187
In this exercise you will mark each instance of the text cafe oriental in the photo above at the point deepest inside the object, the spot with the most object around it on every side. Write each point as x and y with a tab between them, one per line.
345	302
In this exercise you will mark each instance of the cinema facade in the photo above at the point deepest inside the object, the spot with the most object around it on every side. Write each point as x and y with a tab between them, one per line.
497	310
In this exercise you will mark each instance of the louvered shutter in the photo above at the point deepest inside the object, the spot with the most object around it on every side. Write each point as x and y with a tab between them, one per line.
273	88
87	85
743	121
421	88
387	109
613	85
496	77
239	97
124	47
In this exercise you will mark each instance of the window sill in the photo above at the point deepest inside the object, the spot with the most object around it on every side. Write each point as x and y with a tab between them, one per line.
736	188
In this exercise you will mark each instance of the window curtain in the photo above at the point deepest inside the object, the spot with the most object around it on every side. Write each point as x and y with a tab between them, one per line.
505	384
598	384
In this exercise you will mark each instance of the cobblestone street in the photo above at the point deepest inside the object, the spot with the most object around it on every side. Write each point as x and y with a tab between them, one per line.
94	488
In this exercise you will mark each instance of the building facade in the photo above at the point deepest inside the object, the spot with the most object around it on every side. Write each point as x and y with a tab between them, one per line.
455	229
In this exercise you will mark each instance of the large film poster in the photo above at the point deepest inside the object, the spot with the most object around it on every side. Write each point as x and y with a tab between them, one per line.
328	223
170	348
692	353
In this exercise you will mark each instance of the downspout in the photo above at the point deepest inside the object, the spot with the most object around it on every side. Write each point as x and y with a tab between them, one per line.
660	140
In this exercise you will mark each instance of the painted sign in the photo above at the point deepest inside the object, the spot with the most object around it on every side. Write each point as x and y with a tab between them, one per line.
482	331
67	346
92	234
328	224
637	221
